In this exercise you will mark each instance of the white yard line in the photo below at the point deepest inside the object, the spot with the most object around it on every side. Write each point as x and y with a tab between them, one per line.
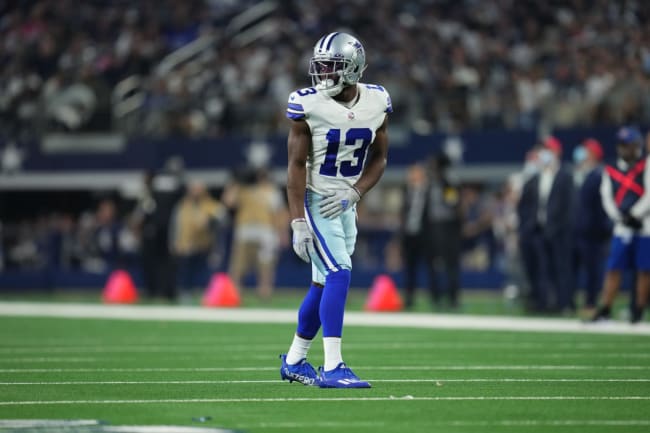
308	426
367	367
439	381
328	399
504	423
172	348
249	315
547	423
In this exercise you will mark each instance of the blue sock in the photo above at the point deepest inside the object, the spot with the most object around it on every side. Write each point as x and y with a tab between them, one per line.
308	315
332	304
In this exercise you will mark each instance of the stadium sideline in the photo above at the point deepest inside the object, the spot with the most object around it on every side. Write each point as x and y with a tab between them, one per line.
249	315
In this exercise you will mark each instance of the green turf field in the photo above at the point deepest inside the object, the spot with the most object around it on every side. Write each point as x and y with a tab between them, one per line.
174	373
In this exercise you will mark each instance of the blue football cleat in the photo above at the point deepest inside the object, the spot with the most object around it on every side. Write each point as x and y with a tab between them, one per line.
341	377
301	372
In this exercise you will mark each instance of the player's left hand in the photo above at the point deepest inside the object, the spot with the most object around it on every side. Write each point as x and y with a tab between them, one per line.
339	201
631	222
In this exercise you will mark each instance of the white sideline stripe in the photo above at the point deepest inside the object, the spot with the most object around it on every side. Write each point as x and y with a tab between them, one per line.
326	399
352	318
43	359
504	423
308	426
439	381
26	423
549	423
371	368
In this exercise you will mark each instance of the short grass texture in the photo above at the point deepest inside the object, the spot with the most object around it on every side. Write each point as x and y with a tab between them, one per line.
172	373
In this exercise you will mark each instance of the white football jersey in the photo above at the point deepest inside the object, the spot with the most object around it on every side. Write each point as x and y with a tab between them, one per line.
340	135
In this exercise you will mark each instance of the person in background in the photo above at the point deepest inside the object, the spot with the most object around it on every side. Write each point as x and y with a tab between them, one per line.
592	225
507	229
106	235
195	225
478	247
624	191
161	192
545	218
259	229
416	241
445	222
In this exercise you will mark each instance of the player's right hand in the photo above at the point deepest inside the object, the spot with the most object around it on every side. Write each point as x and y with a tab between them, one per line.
303	240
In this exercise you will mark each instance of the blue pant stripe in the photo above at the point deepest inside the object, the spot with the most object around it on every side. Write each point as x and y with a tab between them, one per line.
320	244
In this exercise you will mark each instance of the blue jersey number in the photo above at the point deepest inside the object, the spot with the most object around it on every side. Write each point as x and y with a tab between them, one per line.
374	87
307	91
352	138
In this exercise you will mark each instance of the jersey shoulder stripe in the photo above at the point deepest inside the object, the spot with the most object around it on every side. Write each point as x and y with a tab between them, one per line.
299	104
295	111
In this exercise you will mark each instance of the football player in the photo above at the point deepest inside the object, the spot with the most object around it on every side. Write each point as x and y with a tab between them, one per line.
337	149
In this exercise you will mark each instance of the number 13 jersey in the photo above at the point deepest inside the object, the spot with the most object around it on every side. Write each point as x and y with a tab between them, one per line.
340	135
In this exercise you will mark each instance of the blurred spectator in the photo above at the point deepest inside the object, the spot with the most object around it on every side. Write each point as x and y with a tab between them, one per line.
2	249
624	190
260	228
100	238
477	209
11	158
592	225
196	222
154	209
445	224
505	224
62	245
416	237
545	221
505	65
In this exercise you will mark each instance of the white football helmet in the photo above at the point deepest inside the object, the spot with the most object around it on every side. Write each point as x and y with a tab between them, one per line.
339	60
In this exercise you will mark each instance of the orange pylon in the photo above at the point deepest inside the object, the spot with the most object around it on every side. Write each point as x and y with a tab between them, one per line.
120	288
383	295
221	292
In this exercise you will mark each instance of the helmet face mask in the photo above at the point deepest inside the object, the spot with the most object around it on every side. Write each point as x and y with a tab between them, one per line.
339	60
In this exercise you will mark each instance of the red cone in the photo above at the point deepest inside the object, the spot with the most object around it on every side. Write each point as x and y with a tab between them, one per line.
221	292
120	289
383	295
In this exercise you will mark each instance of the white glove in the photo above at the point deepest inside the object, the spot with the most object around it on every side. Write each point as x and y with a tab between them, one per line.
303	240
339	201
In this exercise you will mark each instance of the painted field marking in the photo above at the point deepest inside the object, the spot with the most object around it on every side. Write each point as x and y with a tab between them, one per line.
352	318
206	347
45	360
547	423
345	426
328	399
370	368
504	423
48	359
277	381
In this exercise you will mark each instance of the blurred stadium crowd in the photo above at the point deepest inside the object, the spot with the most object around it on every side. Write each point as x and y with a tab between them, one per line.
450	65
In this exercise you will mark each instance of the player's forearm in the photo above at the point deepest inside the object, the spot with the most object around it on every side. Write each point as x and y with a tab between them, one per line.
641	208
609	205
372	172
296	186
